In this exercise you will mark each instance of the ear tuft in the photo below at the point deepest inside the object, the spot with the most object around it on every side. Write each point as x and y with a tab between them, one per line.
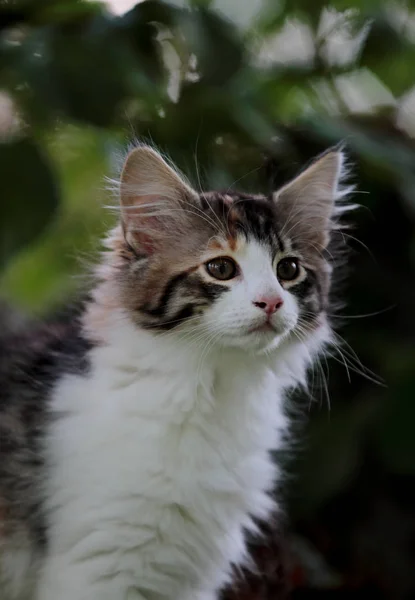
152	195
146	173
309	204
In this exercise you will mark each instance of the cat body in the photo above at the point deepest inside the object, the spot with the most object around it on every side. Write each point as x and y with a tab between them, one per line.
136	436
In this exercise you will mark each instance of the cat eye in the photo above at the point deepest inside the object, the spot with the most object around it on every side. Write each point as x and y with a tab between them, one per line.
221	268
288	269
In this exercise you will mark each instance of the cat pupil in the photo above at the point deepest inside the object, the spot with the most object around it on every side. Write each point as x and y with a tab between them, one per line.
287	269
221	268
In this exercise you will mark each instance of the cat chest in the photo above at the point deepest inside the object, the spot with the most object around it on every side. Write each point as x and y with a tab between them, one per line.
158	439
157	475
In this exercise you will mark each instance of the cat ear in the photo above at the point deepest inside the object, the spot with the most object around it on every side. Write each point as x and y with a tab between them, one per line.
152	198
307	203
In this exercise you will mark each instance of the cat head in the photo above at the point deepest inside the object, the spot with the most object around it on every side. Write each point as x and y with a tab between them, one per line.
241	270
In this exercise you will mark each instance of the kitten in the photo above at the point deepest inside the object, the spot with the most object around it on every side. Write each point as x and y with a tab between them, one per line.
135	436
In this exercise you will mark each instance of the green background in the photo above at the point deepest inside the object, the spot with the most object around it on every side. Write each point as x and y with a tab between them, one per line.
242	105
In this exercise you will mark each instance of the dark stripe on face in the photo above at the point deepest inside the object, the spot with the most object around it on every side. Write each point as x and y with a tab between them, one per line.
256	218
317	284
184	313
186	288
211	291
309	293
306	286
247	216
160	309
279	239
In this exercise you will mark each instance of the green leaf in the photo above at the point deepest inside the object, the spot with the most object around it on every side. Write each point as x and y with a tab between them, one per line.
139	29
153	11
392	157
389	54
76	70
216	44
34	12
29	196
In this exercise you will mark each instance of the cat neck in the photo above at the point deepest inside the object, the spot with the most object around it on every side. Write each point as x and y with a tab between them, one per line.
131	346
126	347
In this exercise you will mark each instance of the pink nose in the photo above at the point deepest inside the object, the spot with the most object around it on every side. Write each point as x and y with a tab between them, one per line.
269	304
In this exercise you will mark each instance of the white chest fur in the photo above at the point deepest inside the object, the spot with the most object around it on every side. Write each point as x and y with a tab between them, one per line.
159	461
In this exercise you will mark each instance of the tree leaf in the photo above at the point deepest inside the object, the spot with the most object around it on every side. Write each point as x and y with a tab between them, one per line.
29	195
216	44
391	67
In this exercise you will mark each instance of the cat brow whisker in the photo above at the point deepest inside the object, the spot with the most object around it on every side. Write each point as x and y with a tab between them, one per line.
195	211
191	209
195	158
243	177
291	215
299	240
355	239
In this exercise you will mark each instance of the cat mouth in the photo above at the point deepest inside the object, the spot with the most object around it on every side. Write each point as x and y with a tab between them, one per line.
266	327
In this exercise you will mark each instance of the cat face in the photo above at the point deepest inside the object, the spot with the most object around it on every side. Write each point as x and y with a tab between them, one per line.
258	306
229	269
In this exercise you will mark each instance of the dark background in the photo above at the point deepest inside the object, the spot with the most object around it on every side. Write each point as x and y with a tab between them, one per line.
243	104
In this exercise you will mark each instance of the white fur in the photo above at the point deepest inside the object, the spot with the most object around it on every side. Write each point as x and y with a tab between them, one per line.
234	313
161	455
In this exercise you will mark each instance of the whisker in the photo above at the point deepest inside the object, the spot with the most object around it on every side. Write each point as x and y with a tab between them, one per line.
364	316
195	157
243	177
355	239
300	334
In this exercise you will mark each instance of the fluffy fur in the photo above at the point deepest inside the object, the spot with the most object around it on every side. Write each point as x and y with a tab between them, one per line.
136	435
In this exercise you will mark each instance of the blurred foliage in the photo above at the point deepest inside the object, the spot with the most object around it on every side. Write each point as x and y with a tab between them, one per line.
240	105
